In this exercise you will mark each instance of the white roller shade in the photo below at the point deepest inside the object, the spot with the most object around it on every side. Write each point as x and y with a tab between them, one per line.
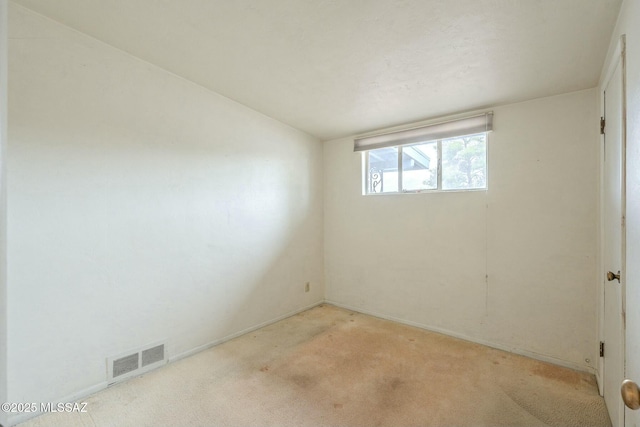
450	129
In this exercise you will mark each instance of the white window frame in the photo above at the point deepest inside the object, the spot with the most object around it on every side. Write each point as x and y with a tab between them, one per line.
366	171
429	133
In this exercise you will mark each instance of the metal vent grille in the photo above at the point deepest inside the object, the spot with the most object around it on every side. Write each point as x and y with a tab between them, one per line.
153	355
125	365
135	362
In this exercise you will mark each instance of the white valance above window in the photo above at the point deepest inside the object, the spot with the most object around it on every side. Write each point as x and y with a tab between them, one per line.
449	129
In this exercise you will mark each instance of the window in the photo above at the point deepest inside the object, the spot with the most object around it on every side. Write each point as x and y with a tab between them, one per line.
429	158
462	165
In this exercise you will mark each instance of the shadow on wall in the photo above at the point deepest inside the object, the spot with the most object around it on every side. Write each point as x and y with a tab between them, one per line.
188	257
142	208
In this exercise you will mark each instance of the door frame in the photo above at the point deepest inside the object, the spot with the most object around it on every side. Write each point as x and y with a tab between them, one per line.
619	54
4	370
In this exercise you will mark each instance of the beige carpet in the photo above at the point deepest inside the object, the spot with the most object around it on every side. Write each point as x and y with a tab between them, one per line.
332	367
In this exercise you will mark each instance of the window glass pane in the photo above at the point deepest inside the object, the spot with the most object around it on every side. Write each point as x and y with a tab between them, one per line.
420	167
464	162
383	170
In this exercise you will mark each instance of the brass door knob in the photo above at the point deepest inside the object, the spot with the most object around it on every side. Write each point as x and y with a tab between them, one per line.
630	394
611	276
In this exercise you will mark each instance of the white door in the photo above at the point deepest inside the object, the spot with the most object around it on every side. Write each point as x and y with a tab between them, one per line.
612	199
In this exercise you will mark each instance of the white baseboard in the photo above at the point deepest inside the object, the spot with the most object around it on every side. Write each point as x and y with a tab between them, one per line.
81	394
77	396
600	383
237	334
499	346
74	397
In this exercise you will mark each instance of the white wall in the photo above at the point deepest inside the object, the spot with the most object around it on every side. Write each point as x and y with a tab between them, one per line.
513	266
142	207
629	24
3	206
